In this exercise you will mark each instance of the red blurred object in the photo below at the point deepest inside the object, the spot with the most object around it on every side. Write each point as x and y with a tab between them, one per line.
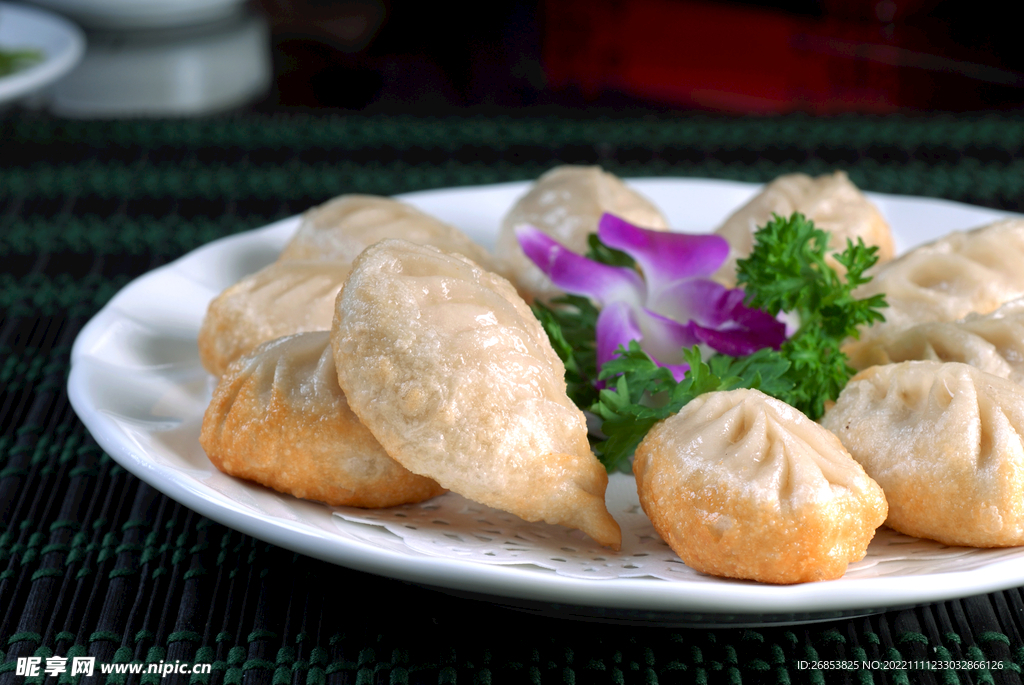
752	59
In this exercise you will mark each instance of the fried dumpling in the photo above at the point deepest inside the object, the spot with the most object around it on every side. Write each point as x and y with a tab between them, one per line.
345	226
965	272
449	369
281	299
944	442
831	201
566	203
991	342
296	293
742	485
278	417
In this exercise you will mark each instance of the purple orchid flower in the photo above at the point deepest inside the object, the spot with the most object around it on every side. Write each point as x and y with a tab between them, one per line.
673	305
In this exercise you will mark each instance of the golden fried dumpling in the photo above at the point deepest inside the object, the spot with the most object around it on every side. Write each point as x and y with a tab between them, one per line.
296	293
742	485
991	342
281	299
278	417
566	203
944	442
345	226
831	201
449	369
962	273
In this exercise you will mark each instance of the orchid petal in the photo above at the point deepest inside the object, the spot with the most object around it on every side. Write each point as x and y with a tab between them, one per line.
703	300
579	275
664	339
735	342
719	317
664	257
616	327
768	330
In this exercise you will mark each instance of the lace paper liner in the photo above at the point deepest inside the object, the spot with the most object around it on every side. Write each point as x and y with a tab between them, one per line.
453	527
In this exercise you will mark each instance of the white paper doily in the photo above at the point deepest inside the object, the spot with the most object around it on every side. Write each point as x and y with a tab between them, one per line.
452	527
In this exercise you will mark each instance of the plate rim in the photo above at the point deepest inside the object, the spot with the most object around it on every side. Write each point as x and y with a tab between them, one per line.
642	594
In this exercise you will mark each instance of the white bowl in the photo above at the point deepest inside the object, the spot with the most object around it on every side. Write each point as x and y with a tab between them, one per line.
141	14
60	42
175	72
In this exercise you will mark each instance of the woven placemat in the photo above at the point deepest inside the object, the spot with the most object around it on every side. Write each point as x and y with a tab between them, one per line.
95	563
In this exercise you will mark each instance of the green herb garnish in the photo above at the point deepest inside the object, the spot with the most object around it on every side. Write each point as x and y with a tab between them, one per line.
602	254
571	323
787	271
15	60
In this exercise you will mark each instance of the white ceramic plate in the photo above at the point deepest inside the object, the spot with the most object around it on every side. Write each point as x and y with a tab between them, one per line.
137	384
61	42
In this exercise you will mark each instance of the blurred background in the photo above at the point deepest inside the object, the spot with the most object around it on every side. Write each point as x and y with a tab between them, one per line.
742	56
764	56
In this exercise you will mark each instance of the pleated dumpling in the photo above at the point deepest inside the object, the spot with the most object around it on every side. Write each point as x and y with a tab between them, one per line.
279	418
742	485
991	342
944	442
452	373
965	272
831	201
281	299
296	293
566	203
345	226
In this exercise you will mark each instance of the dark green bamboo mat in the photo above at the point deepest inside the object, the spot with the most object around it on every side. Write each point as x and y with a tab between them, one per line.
94	562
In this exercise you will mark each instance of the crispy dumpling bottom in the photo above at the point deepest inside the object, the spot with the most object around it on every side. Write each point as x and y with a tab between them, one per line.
742	485
278	417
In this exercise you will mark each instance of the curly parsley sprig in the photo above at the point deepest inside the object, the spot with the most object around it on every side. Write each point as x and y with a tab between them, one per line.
787	271
571	324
